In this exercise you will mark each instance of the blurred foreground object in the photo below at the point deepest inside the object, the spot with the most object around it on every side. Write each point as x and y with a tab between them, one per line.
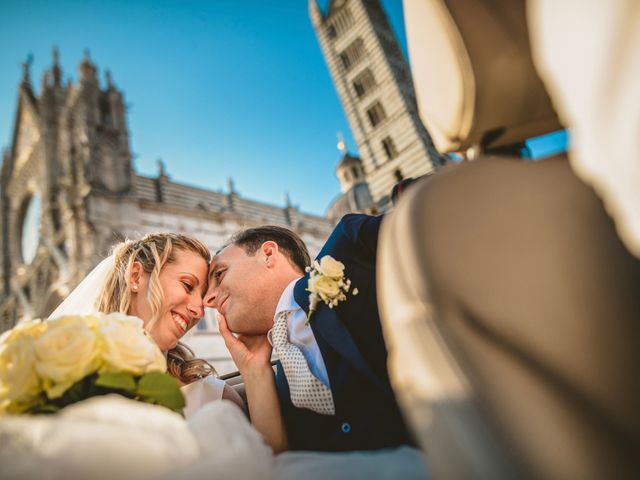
476	85
509	304
588	54
111	437
46	366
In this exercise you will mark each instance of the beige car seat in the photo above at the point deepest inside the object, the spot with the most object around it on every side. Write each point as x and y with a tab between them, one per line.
510	308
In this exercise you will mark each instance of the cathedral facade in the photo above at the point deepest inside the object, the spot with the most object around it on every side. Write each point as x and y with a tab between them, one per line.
69	192
374	85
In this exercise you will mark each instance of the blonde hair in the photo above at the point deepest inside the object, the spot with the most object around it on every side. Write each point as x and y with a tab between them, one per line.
153	251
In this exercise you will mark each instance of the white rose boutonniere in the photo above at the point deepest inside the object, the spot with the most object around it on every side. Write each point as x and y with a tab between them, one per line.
327	283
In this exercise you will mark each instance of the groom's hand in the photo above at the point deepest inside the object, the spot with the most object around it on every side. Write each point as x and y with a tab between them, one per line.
248	351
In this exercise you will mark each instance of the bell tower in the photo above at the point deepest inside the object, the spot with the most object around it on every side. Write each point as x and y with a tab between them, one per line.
374	84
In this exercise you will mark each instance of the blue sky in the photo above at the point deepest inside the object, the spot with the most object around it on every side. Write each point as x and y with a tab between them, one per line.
218	89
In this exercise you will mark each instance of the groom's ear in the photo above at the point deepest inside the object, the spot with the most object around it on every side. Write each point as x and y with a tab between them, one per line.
269	250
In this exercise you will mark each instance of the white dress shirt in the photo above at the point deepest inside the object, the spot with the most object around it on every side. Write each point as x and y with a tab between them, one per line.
301	335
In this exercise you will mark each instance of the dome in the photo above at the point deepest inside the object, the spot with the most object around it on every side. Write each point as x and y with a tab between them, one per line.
355	200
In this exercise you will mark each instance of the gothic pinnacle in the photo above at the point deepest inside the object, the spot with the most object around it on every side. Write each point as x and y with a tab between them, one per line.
26	70
87	69
56	70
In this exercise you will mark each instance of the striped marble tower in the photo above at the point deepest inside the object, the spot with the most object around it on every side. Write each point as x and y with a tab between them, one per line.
374	84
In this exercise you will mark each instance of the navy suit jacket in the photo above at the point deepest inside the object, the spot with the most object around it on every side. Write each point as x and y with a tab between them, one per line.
350	340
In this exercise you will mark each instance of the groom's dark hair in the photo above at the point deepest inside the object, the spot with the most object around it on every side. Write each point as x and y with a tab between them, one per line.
288	242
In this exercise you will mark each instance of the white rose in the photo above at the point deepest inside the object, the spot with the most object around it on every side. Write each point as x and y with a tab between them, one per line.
66	352
330	267
19	382
326	287
32	328
127	348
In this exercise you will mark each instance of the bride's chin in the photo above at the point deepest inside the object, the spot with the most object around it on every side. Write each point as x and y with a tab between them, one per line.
168	345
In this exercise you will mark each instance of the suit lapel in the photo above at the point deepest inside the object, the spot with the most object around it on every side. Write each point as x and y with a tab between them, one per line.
300	293
325	322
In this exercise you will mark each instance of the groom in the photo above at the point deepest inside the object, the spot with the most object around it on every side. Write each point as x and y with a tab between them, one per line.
332	379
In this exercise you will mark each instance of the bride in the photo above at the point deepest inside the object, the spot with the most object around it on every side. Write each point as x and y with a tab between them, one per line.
161	279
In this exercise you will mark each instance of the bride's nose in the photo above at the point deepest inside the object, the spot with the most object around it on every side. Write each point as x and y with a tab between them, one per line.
196	311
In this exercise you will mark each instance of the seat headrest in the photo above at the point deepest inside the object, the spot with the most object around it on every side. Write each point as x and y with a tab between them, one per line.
473	73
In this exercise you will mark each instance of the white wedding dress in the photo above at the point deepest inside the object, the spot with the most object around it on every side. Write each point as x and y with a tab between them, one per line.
199	393
112	437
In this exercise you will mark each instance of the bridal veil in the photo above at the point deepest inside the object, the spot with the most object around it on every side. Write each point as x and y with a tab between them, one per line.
82	300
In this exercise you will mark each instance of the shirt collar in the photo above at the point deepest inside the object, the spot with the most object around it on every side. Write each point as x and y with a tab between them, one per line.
287	300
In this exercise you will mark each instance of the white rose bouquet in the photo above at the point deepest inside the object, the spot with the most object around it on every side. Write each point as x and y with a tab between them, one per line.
45	366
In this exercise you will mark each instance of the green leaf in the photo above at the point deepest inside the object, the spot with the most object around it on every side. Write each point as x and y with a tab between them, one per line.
161	388
46	408
119	381
75	393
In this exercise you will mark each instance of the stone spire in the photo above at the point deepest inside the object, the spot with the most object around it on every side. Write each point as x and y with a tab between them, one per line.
162	168
56	71
290	211
232	196
161	180
45	82
107	76
87	69
26	72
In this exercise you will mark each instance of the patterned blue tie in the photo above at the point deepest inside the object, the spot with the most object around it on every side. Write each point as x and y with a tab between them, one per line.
305	389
